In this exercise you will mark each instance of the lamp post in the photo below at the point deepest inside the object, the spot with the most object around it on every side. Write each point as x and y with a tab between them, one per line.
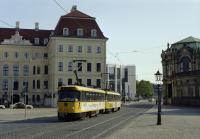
158	77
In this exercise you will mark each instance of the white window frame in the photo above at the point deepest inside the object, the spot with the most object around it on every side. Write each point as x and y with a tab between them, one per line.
37	41
80	49
60	48
89	49
70	48
98	49
80	32
60	66
45	41
65	31
93	33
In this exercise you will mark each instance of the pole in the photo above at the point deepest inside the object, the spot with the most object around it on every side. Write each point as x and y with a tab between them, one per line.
159	107
52	92
25	103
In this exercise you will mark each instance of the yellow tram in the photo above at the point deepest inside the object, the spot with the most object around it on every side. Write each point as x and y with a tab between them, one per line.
78	101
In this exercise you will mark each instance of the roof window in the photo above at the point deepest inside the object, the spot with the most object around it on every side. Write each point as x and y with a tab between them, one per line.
79	32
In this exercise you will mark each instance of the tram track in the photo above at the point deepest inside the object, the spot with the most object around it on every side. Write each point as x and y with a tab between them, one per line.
94	128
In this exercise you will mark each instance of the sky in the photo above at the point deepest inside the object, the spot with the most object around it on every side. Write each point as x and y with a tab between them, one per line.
138	30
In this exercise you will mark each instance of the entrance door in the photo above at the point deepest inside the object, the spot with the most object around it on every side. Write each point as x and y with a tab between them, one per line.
16	98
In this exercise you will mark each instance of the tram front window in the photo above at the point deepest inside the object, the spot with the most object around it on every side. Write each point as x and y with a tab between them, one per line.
68	95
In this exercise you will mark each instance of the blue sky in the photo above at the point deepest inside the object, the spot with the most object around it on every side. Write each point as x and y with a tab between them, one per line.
144	26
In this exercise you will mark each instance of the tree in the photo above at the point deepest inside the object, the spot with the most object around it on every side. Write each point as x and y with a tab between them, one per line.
144	89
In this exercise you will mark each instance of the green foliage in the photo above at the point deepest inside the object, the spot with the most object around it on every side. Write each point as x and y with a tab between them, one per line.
144	89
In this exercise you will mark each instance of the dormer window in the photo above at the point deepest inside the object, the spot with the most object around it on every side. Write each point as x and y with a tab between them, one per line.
79	32
65	32
45	41
93	33
37	40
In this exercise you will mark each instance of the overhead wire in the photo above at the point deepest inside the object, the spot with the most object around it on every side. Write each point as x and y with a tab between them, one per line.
57	3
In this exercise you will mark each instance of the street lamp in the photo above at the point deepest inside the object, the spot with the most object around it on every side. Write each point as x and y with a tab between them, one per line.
158	77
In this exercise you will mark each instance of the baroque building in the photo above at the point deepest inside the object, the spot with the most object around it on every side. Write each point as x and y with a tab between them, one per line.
181	72
36	61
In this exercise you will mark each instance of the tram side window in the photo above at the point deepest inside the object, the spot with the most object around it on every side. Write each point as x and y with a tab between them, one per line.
83	96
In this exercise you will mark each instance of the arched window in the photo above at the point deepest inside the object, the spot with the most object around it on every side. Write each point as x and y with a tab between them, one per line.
5	70
185	64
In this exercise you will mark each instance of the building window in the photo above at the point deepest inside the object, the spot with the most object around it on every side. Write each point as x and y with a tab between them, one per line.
38	84
79	32
80	49
16	70
26	55
46	69
33	98
45	41
16	55
25	86
38	98
79	66
26	70
93	33
89	82
98	50
70	66
60	66
60	82
98	81
98	67
33	84
69	81
89	67
5	70
60	48
15	85
38	70
45	84
5	84
70	48
45	55
89	49
37	41
65	32
185	64
34	70
5	54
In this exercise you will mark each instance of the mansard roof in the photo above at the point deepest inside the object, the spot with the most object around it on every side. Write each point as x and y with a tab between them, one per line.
27	34
189	39
74	20
77	14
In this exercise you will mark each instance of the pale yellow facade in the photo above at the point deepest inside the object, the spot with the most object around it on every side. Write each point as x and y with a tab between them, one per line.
53	55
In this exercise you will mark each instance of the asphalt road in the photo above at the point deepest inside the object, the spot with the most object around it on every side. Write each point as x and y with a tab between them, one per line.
90	128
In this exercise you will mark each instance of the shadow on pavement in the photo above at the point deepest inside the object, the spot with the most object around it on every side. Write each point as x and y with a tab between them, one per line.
40	120
175	110
139	106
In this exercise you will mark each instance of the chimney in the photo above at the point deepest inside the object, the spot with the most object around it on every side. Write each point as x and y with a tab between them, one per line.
74	8
17	24
36	26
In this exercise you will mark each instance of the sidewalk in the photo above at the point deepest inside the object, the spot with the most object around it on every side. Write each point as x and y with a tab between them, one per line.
177	123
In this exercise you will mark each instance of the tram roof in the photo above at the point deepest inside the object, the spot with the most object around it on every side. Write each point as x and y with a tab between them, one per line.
113	93
81	88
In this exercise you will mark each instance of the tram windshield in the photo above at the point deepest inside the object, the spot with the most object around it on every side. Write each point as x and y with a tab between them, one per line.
69	95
